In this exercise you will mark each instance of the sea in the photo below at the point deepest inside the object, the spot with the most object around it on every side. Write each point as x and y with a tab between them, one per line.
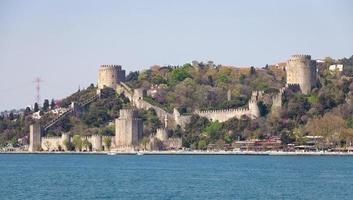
60	177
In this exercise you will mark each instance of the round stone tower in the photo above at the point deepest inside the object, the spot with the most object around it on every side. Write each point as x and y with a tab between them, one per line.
110	75
301	70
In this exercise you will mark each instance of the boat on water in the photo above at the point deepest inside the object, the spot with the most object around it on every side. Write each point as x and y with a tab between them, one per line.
139	153
111	153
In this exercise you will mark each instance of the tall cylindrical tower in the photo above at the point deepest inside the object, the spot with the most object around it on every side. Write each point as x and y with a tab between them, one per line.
301	70
110	75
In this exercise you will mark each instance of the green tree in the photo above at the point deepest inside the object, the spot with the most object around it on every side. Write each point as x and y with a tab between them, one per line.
107	142
213	130
252	70
87	145
52	104
144	142
77	142
202	145
67	144
27	111
36	107
14	142
179	74
46	105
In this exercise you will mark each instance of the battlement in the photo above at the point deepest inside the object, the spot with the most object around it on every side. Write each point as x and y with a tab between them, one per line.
299	57
116	67
96	135
222	111
110	76
51	138
128	113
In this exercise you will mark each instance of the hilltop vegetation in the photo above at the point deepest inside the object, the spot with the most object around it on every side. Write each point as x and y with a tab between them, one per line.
205	86
327	111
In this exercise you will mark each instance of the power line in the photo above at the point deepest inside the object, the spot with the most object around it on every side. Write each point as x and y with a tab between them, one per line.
37	81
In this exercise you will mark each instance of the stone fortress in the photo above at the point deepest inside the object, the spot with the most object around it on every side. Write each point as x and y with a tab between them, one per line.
129	129
300	70
110	76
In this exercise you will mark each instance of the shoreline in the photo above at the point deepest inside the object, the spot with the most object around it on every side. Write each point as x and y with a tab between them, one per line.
255	153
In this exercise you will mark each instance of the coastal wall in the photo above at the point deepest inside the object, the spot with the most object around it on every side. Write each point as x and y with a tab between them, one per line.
57	143
161	141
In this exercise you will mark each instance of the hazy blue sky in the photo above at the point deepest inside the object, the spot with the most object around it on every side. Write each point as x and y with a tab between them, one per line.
64	42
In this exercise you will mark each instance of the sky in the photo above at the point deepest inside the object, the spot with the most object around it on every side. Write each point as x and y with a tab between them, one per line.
64	42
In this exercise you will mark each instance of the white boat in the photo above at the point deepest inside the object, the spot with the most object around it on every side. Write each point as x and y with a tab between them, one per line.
111	153
139	153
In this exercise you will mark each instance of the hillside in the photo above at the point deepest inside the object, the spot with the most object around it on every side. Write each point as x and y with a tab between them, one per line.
326	111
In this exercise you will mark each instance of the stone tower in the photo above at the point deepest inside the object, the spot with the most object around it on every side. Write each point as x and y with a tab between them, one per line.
301	70
128	128
35	131
96	141
110	76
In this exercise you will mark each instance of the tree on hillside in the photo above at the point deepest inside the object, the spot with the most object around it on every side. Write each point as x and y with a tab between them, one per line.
52	104
331	127
46	105
252	70
36	107
27	111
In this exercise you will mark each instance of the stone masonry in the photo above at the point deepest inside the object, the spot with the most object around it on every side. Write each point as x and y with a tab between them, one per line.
301	70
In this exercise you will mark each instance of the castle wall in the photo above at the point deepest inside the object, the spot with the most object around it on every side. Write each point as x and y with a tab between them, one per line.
181	120
136	97
96	141
57	143
172	144
52	143
251	111
224	115
301	70
162	134
161	114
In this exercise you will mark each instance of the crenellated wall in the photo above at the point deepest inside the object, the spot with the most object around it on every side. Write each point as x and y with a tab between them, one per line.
58	143
252	110
52	143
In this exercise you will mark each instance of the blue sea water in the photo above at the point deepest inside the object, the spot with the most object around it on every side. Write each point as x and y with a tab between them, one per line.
175	177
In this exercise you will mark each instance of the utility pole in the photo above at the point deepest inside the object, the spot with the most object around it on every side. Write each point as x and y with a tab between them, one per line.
37	81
